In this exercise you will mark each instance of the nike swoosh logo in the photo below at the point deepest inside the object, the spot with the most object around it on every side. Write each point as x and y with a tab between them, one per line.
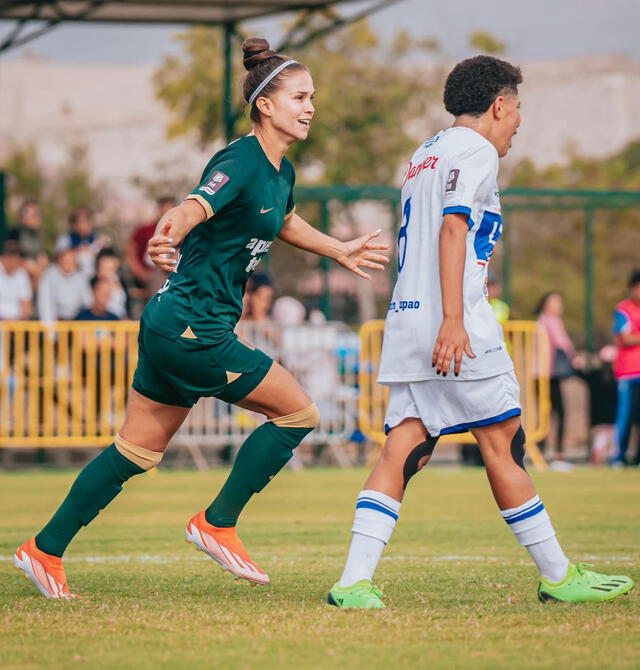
264	211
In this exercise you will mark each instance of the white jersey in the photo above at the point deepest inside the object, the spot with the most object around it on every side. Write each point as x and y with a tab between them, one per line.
453	172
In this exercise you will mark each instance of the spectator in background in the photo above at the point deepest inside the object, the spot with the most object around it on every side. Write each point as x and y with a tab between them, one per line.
494	289
627	368
550	310
63	290
108	269
28	235
260	299
15	286
83	239
101	290
147	279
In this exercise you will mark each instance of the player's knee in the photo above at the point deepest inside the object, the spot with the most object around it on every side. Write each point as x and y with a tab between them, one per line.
518	443
418	458
143	458
309	417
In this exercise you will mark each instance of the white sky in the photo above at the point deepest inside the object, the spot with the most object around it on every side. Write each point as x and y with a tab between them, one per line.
540	30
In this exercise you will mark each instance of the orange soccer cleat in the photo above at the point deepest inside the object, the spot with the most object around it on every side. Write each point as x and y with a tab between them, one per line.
45	571
225	547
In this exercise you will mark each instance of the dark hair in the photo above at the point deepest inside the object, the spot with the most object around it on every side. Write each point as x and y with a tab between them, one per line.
634	278
539	308
107	252
77	211
95	280
260	61
12	248
257	281
475	83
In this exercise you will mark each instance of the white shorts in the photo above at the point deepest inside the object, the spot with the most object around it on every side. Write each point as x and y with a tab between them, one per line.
446	407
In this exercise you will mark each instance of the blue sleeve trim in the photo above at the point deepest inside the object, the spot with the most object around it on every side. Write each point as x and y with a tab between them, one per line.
620	322
459	209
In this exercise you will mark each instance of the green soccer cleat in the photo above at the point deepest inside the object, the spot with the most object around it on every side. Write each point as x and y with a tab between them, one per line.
361	595
584	586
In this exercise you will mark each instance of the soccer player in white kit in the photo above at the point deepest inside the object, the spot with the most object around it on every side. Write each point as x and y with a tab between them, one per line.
444	356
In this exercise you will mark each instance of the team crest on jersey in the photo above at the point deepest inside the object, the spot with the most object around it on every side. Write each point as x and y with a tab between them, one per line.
452	181
216	182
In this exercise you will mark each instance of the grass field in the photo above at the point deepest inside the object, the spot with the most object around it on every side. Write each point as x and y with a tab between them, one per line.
460	592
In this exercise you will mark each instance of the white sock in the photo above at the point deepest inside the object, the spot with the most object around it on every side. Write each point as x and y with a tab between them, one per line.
532	528
375	519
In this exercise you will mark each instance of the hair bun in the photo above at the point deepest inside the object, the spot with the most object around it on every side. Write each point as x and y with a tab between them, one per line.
256	51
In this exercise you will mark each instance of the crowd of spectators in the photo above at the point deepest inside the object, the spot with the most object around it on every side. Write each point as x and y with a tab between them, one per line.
83	278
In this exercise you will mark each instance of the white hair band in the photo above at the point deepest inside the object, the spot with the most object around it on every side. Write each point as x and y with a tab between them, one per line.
271	75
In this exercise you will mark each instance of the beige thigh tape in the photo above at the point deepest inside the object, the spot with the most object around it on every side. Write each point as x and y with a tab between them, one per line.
141	457
309	417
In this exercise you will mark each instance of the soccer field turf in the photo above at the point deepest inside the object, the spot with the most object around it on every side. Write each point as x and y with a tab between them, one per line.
460	592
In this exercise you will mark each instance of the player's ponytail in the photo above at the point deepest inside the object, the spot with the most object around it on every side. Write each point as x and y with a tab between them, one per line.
266	70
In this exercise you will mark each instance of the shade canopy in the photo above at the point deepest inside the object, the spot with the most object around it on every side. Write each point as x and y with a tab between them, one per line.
156	11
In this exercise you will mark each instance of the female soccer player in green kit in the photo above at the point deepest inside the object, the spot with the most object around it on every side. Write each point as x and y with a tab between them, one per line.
187	345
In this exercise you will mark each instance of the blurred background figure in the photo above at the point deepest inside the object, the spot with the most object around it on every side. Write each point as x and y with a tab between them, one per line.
108	269
494	289
147	279
288	311
15	286
550	310
83	239
259	300
601	383
98	310
28	235
63	290
627	369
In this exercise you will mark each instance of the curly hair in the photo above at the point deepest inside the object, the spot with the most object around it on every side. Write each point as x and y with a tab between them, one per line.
475	83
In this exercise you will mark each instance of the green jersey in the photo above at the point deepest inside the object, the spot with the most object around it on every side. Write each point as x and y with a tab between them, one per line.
246	200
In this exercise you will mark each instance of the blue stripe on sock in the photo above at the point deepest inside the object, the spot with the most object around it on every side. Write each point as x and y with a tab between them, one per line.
378	502
525	515
525	509
377	507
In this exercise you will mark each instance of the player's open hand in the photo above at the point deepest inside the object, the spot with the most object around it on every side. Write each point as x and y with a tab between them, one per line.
452	342
361	252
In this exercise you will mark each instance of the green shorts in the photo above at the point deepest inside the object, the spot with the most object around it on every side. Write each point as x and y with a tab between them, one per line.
180	371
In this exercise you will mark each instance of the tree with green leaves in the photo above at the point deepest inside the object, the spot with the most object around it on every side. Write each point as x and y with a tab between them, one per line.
548	247
367	95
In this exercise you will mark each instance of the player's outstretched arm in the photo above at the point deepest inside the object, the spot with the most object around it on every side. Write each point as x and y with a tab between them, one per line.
452	340
351	255
171	230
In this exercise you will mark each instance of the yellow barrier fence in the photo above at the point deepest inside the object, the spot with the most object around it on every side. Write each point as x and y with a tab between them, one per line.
529	350
64	384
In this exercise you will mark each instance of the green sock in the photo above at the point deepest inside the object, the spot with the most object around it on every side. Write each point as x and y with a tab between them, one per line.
94	488
263	454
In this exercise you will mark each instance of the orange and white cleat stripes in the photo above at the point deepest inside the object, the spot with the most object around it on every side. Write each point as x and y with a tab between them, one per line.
45	571
225	547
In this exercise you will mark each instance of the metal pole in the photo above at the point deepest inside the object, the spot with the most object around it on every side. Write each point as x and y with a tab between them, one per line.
589	216
506	260
325	304
229	116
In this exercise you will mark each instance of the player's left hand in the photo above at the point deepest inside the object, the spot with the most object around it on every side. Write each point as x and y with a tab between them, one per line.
359	252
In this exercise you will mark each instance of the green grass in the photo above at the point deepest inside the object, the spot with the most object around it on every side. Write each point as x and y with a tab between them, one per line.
460	592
